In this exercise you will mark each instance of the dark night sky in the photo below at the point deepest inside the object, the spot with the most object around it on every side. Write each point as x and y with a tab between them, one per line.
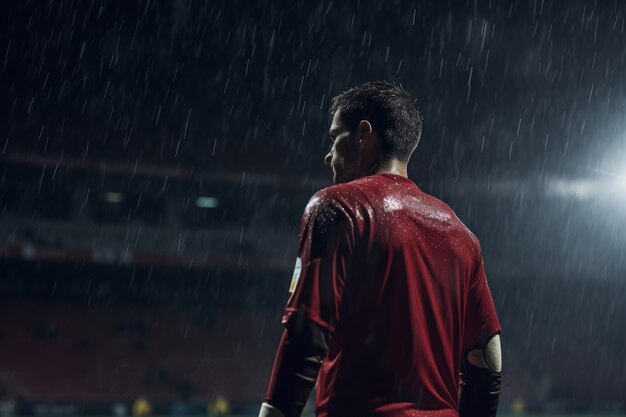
523	101
506	88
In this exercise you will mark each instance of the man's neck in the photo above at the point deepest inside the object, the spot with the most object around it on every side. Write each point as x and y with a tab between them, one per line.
393	166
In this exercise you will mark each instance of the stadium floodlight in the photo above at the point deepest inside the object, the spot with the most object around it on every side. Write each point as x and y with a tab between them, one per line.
207	202
113	197
573	188
616	182
607	184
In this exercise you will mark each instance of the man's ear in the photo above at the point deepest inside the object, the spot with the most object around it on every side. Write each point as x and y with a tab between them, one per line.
365	131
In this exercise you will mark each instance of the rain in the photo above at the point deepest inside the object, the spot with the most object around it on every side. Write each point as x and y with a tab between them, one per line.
156	158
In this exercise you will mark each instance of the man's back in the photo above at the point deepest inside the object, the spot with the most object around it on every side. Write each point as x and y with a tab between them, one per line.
410	296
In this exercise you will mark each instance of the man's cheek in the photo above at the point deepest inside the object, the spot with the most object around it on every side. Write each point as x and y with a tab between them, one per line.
336	162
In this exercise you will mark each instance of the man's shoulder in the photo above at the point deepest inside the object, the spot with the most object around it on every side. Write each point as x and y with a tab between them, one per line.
345	192
335	199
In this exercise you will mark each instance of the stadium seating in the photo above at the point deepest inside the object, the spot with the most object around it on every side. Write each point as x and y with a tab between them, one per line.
57	352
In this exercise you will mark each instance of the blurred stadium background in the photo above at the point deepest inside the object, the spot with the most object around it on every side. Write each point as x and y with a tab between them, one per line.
156	158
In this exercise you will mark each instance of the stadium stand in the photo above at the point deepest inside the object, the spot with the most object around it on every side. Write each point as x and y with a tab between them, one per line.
53	352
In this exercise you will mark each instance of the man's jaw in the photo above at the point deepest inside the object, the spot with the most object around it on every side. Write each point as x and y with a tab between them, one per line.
338	179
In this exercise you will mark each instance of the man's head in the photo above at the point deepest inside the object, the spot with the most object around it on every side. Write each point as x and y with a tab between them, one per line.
372	124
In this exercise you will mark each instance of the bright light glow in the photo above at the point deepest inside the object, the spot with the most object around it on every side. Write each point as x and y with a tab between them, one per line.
113	197
573	188
621	182
207	202
610	184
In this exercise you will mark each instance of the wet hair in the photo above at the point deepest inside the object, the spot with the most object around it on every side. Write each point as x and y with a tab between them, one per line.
390	109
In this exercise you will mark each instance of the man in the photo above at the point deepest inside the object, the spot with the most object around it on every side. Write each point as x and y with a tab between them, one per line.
389	301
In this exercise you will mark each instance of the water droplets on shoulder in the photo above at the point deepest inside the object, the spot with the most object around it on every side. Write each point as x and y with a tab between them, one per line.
391	203
427	210
313	202
435	214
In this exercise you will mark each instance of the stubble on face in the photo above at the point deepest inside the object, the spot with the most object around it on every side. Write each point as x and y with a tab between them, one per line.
342	154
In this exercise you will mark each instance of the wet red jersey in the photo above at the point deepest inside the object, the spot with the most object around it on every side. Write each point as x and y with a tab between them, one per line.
400	282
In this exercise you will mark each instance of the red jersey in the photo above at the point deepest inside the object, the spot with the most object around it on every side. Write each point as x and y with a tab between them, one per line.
400	282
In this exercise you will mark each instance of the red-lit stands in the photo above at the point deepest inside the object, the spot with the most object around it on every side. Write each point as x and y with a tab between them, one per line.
53	352
64	352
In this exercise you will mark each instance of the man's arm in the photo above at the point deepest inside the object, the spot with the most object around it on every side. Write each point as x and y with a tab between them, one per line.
482	380
312	309
302	347
482	357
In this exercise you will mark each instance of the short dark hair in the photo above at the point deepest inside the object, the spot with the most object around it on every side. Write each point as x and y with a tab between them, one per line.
390	109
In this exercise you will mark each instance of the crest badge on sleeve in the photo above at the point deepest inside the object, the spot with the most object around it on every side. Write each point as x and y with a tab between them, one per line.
296	275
